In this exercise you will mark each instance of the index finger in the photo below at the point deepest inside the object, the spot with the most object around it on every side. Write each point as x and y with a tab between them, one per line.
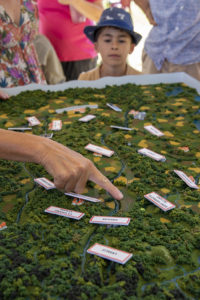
97	177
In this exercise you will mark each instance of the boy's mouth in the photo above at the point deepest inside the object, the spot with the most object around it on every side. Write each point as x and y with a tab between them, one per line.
114	56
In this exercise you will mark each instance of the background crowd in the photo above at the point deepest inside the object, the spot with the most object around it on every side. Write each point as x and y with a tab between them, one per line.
44	41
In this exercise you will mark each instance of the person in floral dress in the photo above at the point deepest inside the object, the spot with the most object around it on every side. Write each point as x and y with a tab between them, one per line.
18	59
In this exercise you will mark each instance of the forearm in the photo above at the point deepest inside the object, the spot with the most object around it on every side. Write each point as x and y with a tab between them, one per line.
20	146
69	169
91	10
145	6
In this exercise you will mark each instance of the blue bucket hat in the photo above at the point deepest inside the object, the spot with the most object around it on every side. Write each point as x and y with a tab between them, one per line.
114	17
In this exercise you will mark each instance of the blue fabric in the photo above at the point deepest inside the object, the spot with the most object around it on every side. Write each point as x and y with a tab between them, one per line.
177	34
115	17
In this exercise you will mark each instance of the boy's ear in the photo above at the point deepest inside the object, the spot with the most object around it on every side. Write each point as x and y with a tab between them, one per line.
132	46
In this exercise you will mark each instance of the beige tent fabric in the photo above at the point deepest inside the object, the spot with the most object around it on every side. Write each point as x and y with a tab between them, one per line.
48	60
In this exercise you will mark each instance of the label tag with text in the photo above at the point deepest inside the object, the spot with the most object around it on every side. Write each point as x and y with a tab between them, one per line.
153	130
159	201
186	179
109	220
87	118
55	125
114	107
33	121
64	212
122	128
99	150
110	253
46	183
154	155
87	198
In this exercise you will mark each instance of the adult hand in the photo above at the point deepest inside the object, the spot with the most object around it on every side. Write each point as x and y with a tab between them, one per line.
126	3
3	95
70	170
90	10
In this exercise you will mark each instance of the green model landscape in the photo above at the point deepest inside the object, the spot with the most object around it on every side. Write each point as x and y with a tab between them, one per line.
44	256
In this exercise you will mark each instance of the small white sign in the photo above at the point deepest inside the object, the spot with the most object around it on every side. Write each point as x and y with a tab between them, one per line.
154	155
186	179
109	220
153	130
87	118
122	128
87	198
110	253
33	121
19	128
113	106
55	125
159	201
46	183
64	212
99	150
76	108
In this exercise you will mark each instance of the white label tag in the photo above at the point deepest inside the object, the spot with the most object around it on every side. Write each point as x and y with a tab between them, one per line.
152	154
76	108
110	253
19	128
87	198
46	183
64	212
109	220
87	118
55	125
33	121
159	201
186	179
153	130
114	107
99	150
122	128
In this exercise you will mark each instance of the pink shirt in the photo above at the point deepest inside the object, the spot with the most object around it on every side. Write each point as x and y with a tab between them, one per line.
68	38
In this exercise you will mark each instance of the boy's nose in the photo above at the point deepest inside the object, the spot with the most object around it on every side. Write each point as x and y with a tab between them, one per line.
114	45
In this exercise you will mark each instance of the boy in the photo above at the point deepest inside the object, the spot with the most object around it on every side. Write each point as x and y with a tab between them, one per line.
114	38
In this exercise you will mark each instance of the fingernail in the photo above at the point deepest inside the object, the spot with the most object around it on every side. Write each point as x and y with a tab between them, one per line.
120	195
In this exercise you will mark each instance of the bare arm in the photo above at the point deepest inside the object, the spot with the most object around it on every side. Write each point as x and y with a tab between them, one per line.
70	170
91	10
144	5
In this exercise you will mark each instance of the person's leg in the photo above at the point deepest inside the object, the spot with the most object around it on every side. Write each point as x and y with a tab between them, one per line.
72	69
192	69
148	66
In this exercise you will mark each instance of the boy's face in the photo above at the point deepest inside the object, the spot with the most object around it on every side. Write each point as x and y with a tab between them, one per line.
114	45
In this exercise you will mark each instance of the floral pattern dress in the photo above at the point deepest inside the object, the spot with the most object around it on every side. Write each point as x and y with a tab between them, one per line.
18	59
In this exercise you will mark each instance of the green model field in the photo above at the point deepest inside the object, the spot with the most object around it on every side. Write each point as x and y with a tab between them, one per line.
43	256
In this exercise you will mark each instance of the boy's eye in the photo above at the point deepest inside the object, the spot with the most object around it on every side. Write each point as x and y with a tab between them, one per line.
122	41
107	40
